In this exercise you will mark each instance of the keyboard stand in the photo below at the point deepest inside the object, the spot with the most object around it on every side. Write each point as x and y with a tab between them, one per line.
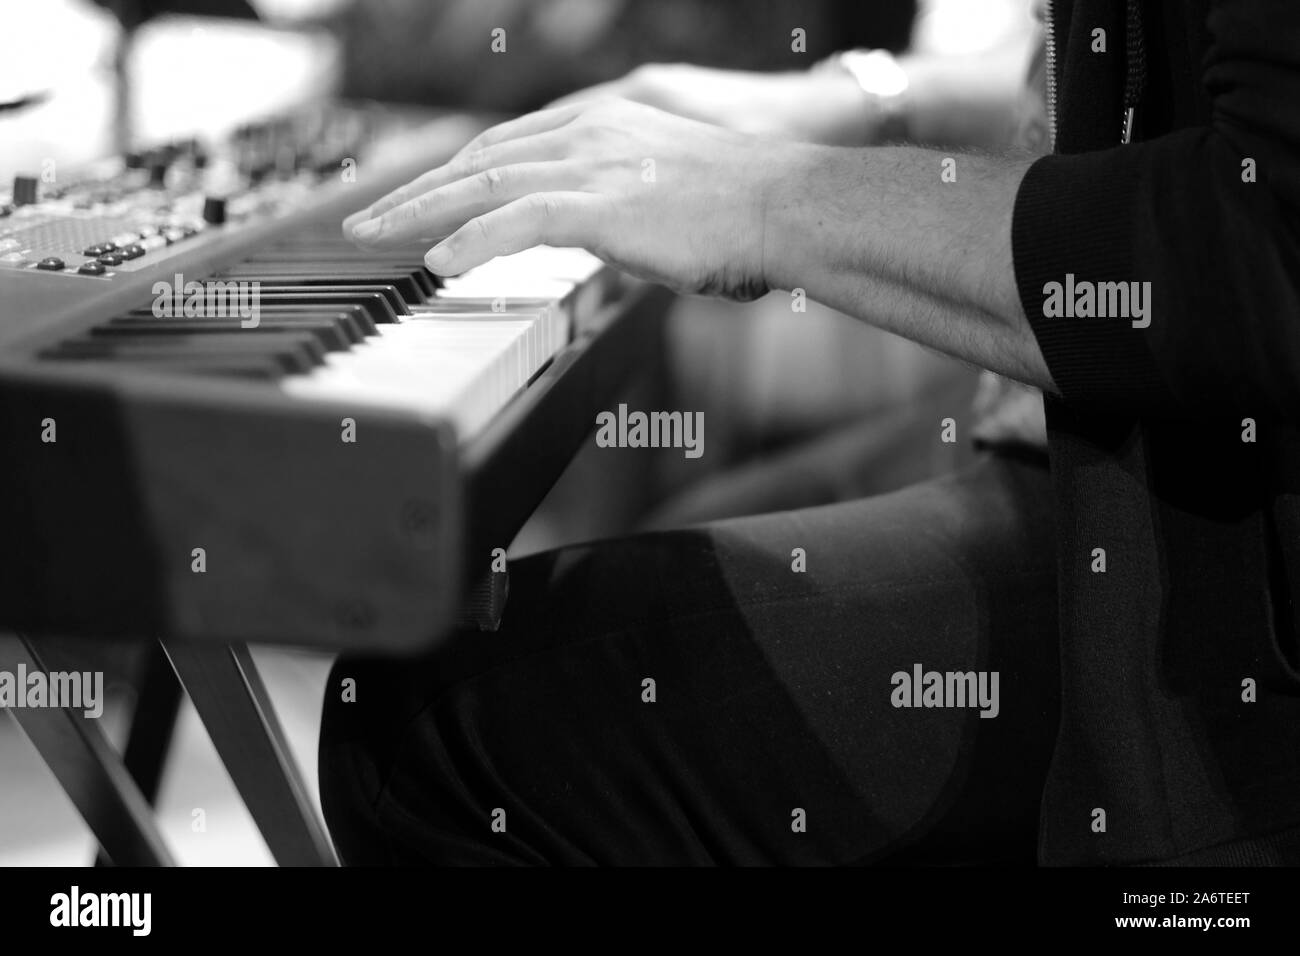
114	794
223	681
236	710
151	726
88	768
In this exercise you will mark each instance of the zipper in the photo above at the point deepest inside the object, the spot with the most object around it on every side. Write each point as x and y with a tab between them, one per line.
1050	36
1135	68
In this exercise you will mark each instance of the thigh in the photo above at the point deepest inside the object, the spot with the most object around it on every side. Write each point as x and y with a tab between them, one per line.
727	694
890	448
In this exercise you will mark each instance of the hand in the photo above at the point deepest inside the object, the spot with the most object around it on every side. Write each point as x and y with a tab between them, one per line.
810	105
665	198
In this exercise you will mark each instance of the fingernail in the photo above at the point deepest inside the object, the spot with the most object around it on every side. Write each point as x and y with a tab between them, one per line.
368	230
437	257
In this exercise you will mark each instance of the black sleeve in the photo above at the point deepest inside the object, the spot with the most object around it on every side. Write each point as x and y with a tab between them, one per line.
1222	255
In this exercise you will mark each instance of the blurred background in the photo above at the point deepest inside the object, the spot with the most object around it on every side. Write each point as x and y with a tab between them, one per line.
780	392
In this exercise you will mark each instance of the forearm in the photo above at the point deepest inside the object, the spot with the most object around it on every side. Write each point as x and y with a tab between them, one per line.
877	234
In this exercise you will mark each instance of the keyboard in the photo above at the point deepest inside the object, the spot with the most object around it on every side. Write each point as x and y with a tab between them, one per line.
326	323
221	421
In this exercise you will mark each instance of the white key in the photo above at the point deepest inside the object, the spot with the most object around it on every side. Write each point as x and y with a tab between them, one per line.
462	366
462	371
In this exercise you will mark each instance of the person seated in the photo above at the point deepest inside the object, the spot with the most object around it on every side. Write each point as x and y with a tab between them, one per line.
1086	658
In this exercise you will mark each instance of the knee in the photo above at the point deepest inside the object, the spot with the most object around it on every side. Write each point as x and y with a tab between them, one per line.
399	758
351	765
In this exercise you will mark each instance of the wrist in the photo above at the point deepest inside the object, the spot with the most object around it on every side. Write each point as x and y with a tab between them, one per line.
790	197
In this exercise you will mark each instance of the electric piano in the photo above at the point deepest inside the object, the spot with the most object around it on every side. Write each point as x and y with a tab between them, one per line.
220	421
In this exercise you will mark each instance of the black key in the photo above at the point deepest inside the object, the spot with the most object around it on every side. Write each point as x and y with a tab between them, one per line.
334	252
352	320
350	265
92	268
51	264
401	265
131	252
375	306
281	363
330	336
256	367
402	284
340	292
345	264
296	353
111	259
345	252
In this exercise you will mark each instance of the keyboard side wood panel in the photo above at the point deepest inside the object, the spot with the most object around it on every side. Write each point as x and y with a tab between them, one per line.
305	538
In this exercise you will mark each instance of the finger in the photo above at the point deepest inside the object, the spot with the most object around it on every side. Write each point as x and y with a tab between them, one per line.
521	127
556	219
613	88
530	124
441	211
544	146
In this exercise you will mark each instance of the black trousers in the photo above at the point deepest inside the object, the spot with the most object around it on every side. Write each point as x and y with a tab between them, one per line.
689	697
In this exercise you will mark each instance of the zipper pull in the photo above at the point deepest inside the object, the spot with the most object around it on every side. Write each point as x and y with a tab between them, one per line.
1127	136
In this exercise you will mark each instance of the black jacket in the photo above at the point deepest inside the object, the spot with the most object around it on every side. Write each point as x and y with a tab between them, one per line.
1180	660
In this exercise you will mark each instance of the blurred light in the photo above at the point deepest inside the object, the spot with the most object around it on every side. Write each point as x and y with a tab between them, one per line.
191	77
273	10
232	71
956	27
48	41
